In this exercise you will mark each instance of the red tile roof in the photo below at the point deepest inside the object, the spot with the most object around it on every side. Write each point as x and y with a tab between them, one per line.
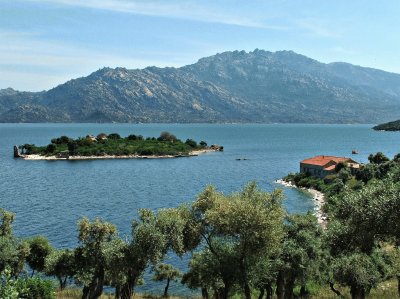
323	160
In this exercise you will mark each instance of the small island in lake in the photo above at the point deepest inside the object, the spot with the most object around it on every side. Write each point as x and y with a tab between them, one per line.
390	126
113	146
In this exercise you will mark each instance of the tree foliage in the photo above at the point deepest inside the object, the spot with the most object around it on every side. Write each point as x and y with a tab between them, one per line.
61	264
238	230
90	257
39	249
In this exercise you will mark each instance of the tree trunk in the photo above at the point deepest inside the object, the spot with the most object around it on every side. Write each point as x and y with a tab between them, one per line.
204	293
217	293
95	287
398	284
126	291
332	287
225	293
63	282
269	291
303	292
280	286
166	288
117	294
247	291
357	292
262	291
289	286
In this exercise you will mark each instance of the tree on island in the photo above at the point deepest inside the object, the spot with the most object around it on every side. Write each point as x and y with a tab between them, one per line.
167	136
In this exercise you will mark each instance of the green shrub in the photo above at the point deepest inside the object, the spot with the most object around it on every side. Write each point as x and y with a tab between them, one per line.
203	143
51	148
191	143
114	136
8	288
35	288
132	137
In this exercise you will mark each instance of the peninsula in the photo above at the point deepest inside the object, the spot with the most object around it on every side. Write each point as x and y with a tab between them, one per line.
113	146
390	126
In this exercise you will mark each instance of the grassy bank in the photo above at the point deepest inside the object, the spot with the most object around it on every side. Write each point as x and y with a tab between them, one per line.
74	293
386	290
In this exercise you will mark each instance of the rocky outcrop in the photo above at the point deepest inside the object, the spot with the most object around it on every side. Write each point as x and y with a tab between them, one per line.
17	154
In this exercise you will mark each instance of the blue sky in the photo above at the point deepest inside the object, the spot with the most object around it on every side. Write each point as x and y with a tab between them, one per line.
44	43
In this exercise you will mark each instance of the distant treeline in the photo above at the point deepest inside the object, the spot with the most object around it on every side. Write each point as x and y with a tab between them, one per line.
114	144
242	244
390	126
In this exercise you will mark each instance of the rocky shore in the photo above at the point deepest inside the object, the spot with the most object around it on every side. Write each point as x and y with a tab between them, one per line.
319	201
55	158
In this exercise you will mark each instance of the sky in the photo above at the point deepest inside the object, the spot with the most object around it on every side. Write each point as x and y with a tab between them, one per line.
44	43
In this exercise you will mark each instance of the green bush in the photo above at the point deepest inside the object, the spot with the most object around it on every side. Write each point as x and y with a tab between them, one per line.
132	137
114	136
35	288
8	288
203	143
51	148
191	143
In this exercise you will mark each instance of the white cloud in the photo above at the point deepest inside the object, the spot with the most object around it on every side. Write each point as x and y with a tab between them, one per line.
317	28
187	10
342	50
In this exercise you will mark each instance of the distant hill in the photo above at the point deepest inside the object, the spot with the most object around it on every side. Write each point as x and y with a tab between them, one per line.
258	86
390	126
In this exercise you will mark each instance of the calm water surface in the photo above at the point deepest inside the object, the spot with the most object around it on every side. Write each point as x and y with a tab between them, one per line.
49	197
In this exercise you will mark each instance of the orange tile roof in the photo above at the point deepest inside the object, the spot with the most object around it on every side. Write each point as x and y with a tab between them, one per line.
323	160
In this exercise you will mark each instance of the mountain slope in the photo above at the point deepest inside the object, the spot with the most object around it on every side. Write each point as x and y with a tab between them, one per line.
258	86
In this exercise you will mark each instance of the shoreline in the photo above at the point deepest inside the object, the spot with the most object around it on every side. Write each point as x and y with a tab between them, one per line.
109	157
319	201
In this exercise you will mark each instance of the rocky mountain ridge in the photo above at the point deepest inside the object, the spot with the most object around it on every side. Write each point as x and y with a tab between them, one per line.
239	86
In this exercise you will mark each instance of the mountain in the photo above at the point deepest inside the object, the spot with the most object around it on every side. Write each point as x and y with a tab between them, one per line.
258	86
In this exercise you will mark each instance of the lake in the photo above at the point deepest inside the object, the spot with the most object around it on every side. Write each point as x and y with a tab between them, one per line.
49	197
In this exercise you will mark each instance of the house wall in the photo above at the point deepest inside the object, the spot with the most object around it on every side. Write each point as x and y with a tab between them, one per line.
315	170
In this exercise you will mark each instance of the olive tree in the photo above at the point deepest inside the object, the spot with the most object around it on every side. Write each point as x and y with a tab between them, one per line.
237	230
13	252
361	221
301	254
90	256
61	264
40	248
166	272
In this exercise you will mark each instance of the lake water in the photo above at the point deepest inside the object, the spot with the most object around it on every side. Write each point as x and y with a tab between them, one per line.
49	197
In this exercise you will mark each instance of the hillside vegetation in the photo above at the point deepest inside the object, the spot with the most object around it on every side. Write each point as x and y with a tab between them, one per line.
390	126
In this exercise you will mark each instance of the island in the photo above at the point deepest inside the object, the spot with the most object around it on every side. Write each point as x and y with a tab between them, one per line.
390	126
113	146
